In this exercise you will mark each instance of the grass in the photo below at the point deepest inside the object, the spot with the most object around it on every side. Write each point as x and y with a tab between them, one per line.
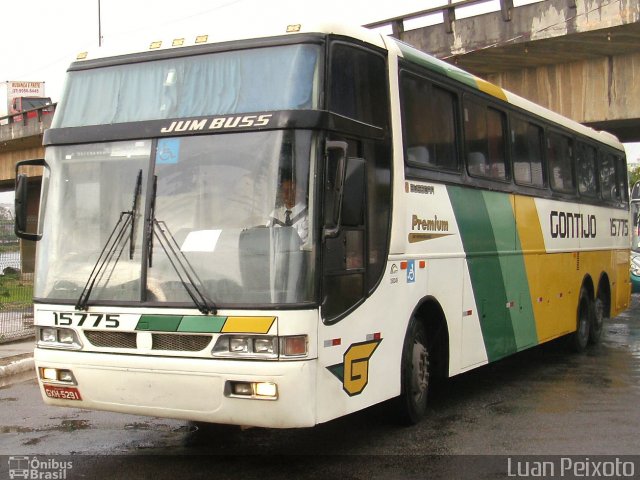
15	293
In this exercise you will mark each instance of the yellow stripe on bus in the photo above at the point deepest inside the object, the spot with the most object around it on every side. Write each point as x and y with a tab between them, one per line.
491	89
248	324
545	300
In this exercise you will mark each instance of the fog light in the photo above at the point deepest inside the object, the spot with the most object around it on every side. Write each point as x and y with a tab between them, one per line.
241	388
66	376
266	389
49	374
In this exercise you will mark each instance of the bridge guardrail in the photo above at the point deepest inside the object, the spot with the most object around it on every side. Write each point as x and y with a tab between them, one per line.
448	14
25	117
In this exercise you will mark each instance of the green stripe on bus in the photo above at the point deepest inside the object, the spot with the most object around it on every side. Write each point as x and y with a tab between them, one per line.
481	238
516	285
200	324
436	65
159	323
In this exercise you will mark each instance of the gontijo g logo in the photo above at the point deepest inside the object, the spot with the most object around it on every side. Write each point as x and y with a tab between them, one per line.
354	371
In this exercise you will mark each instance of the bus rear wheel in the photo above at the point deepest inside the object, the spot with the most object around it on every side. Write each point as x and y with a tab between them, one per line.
412	403
580	338
597	321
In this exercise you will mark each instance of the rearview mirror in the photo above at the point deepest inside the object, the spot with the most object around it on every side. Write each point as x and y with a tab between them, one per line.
21	200
336	155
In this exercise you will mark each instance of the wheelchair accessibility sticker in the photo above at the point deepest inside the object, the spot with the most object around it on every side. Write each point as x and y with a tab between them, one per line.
411	271
168	151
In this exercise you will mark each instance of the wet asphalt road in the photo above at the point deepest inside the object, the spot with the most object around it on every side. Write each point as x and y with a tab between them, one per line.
545	401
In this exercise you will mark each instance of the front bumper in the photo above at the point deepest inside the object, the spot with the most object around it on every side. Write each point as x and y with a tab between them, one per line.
187	388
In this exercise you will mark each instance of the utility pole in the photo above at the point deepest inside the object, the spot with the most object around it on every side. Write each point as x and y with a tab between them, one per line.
99	26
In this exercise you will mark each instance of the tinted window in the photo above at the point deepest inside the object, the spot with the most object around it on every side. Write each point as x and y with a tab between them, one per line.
527	153
484	134
608	177
428	116
621	180
358	84
586	164
560	161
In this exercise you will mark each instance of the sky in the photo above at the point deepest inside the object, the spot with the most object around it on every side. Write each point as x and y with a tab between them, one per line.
40	38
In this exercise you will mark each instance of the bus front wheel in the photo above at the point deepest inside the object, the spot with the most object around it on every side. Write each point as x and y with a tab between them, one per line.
412	403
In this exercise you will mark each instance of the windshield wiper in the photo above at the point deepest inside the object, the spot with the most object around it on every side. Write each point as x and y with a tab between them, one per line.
113	248
185	271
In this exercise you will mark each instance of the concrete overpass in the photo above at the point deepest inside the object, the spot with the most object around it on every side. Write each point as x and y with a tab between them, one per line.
580	58
21	139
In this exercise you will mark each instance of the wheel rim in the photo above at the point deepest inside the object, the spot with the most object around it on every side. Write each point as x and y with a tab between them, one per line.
419	379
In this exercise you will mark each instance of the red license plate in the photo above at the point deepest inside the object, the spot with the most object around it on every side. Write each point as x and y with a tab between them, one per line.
62	393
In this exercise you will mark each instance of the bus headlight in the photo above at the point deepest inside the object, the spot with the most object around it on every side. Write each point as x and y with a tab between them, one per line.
263	347
57	375
252	390
50	337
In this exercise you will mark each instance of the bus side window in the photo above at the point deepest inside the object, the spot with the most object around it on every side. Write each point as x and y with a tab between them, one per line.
484	129
622	180
526	151
358	88
607	177
428	117
586	164
560	161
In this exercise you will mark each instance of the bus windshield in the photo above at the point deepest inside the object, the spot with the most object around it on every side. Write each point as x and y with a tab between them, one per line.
252	80
234	207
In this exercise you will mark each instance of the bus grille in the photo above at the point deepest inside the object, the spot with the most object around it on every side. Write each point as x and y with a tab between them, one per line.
161	341
111	339
183	343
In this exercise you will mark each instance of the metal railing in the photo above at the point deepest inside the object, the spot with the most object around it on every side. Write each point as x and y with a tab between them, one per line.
25	117
448	14
16	288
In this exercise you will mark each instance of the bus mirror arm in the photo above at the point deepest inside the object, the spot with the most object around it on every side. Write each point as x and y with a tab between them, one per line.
336	156
22	198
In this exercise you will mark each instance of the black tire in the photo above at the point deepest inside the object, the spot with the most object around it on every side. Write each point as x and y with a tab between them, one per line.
412	402
597	321
579	339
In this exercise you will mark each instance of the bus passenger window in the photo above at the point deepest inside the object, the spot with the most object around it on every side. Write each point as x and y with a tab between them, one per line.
586	164
428	116
608	177
560	160
622	180
527	153
484	134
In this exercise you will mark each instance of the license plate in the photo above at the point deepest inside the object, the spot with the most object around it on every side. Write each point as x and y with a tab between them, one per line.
62	393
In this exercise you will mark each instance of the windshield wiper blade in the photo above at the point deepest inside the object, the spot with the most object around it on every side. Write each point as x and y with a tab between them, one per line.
115	245
152	217
185	271
134	214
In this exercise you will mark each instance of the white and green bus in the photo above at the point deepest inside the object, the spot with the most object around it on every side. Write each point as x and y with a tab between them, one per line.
282	229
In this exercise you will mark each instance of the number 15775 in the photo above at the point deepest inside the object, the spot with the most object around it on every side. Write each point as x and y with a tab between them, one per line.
80	319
